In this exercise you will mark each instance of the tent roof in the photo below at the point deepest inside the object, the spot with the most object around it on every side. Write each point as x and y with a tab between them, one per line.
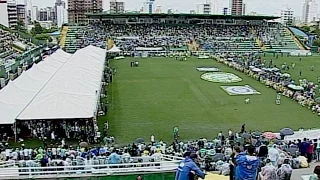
114	49
19	93
73	91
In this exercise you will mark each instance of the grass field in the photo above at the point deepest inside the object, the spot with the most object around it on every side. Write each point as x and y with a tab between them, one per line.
163	93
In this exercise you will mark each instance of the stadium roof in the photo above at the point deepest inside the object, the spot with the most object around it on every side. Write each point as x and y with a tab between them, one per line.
163	15
63	86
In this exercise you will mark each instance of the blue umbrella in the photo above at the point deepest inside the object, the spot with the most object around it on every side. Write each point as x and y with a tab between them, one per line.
286	132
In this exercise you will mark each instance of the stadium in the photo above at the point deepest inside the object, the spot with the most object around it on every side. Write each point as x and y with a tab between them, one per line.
167	83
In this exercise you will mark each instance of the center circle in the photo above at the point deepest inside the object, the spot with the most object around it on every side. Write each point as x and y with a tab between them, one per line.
221	77
240	90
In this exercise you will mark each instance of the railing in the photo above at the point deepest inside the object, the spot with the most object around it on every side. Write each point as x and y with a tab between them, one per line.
168	164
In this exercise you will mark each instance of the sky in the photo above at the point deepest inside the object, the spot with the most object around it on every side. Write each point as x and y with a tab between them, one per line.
266	7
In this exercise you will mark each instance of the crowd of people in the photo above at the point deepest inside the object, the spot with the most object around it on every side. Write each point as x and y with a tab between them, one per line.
217	38
272	76
229	153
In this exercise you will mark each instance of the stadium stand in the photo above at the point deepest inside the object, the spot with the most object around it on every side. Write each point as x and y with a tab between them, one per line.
72	40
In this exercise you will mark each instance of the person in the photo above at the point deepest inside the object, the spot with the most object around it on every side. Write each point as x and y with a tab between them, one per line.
243	128
152	139
273	154
268	172
232	162
247	165
187	168
316	173
278	100
175	132
285	171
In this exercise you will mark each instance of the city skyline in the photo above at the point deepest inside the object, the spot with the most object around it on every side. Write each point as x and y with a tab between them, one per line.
270	7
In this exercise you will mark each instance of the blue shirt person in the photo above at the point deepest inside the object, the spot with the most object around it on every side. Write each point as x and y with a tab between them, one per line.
185	169
247	165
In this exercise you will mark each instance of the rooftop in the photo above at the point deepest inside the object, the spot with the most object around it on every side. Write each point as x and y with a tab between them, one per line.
202	16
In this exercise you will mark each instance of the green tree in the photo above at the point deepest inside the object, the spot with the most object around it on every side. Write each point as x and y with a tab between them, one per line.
305	29
37	29
20	25
316	42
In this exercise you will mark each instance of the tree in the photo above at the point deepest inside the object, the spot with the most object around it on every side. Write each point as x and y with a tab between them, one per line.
305	29
316	42
37	29
20	25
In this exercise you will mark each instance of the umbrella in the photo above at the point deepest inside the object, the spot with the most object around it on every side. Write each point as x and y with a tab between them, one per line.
256	70
139	140
286	132
256	133
83	144
246	135
317	99
269	135
286	75
294	87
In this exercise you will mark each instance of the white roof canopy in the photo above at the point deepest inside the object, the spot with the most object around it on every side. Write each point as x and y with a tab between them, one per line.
73	91
18	93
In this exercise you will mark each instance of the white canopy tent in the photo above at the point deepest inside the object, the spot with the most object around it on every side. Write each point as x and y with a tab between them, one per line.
18	93
73	91
114	49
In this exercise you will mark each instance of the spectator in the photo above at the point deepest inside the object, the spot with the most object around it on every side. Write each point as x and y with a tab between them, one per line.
247	165
273	154
268	172
285	171
187	168
316	173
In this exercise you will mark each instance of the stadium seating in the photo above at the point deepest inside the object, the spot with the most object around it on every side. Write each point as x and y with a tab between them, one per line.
73	39
278	39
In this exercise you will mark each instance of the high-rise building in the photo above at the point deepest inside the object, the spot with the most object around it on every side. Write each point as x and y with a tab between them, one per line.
286	16
34	13
77	10
4	20
54	14
244	6
116	6
205	8
309	11
12	13
226	11
22	12
236	7
44	14
62	15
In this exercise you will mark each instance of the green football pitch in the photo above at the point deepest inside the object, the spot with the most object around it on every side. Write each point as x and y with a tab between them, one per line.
163	93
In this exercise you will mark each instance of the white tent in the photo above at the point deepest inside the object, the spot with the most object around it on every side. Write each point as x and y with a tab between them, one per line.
73	91
18	93
114	49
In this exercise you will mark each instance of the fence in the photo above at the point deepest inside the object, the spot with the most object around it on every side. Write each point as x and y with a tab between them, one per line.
167	164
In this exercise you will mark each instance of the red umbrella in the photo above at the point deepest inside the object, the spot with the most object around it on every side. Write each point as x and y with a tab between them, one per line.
269	135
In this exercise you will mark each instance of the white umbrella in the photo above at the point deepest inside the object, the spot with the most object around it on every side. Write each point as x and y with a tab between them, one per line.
256	70
286	75
294	87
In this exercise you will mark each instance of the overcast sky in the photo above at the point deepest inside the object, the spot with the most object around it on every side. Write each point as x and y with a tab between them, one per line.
268	7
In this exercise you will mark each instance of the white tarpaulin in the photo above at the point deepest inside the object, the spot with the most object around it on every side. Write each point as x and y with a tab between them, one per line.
18	93
73	91
310	134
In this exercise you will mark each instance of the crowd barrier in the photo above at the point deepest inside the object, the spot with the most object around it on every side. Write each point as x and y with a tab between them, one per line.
167	164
